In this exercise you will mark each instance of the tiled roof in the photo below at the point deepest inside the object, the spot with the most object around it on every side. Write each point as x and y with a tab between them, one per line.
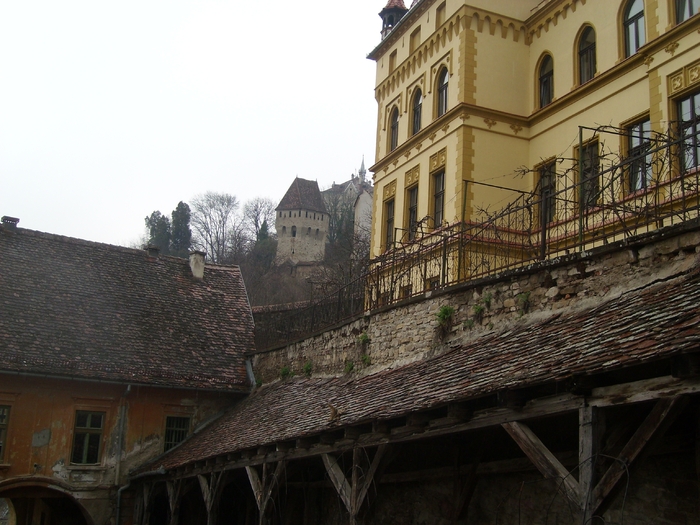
303	195
74	308
638	327
395	3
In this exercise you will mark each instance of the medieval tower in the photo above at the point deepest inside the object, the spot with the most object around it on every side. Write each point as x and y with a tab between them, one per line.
302	224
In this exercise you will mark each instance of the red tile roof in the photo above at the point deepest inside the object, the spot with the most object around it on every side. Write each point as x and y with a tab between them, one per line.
395	3
74	308
638	327
302	195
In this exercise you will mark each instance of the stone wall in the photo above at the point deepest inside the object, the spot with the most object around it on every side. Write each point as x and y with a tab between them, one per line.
410	331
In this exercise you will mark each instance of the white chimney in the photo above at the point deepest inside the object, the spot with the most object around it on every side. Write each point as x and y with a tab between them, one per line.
197	264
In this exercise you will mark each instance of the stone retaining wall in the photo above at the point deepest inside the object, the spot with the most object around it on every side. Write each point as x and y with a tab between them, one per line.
410	331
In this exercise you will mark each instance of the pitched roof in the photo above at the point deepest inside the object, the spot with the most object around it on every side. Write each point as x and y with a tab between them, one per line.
74	308
638	327
302	195
395	4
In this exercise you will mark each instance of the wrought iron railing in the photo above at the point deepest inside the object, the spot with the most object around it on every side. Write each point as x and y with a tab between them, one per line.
618	196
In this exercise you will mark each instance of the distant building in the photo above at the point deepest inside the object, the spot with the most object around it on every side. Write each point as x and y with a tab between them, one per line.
302	224
357	193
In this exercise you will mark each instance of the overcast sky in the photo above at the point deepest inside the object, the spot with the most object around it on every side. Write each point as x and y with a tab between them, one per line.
112	109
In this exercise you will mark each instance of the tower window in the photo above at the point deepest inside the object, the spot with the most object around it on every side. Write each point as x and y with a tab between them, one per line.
686	9
639	168
546	81
689	128
417	108
635	36
438	198
294	231
412	212
586	55
394	130
443	81
389	224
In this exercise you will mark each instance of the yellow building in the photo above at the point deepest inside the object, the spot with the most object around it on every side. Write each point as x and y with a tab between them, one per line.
493	105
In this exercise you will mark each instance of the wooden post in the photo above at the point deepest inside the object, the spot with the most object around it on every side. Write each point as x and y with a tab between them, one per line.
589	443
264	488
174	488
354	492
211	493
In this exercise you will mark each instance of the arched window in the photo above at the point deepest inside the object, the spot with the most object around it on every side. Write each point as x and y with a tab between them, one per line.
586	55
294	231
394	131
635	36
685	9
546	81
417	106
443	81
284	230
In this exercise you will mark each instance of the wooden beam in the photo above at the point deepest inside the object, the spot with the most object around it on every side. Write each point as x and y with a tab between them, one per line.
339	482
174	487
255	484
589	443
543	459
369	478
658	420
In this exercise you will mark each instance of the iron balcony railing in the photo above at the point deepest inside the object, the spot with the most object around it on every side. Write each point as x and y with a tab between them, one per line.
600	197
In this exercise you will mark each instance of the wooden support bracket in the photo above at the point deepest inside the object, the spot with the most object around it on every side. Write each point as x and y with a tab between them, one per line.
354	492
264	488
543	459
174	487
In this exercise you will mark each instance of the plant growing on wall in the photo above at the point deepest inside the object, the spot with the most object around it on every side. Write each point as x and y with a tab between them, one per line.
285	372
307	369
366	359
349	367
444	318
523	302
363	339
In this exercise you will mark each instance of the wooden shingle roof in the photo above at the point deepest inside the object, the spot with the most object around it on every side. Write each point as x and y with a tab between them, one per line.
85	310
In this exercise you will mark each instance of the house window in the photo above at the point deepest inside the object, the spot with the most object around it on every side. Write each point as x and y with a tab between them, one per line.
443	81
388	224
4	420
176	430
638	156
432	283
412	214
440	15
417	107
689	128
87	437
685	9
635	36
405	292
586	55
308	232
548	189
438	198
394	131
415	40
590	183
546	81
294	231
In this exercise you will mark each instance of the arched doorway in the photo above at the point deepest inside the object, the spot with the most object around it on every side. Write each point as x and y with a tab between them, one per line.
30	504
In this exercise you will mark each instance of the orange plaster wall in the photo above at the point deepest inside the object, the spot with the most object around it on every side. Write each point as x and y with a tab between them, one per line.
40	404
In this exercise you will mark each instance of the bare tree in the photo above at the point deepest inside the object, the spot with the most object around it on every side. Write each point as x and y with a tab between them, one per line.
217	229
256	212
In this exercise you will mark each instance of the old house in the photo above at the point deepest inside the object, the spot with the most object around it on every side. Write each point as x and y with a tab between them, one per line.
110	356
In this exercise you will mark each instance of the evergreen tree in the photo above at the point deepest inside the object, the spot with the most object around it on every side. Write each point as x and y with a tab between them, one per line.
158	229
180	232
